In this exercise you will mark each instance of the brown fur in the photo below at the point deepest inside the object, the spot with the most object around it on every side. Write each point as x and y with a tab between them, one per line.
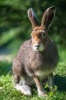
29	63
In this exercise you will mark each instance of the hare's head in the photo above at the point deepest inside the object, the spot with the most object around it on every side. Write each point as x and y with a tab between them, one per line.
39	33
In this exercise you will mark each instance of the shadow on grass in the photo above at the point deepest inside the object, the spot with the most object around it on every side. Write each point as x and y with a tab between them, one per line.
5	67
60	82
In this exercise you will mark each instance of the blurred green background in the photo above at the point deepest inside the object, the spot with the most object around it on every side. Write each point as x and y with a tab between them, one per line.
15	26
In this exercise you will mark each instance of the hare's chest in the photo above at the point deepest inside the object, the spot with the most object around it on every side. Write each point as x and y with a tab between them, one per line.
43	74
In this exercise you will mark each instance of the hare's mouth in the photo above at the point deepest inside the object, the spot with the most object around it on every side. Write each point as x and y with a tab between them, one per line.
38	47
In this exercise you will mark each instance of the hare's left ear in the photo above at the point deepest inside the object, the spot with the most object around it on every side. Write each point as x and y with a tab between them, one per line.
48	17
32	17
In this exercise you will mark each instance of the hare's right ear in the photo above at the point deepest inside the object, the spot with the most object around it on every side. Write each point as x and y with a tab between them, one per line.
48	17
32	17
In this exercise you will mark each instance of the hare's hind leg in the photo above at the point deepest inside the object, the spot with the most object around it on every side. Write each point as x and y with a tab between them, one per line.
21	86
19	77
24	89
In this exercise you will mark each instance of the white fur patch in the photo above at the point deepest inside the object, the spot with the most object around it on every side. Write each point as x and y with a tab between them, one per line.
43	74
18	87
40	48
24	89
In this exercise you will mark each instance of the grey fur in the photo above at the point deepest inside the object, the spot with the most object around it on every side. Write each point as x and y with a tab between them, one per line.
30	65
28	62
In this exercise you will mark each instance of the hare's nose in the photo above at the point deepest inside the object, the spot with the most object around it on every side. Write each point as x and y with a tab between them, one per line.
37	45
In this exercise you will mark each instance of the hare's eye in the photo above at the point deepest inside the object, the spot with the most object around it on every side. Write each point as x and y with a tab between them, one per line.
43	34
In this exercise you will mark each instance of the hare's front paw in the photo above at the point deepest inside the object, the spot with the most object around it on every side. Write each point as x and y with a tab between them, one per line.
42	94
26	90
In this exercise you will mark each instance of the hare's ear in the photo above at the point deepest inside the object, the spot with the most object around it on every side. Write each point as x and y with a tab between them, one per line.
48	17
32	17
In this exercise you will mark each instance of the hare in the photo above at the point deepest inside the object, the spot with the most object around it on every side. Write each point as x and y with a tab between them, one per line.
37	57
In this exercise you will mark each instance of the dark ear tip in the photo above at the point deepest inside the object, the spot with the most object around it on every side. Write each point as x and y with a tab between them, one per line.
52	8
30	9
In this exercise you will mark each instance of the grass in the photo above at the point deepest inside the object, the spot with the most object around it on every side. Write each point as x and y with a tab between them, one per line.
8	92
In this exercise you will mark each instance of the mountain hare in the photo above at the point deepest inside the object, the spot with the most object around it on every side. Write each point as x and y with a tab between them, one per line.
37	57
